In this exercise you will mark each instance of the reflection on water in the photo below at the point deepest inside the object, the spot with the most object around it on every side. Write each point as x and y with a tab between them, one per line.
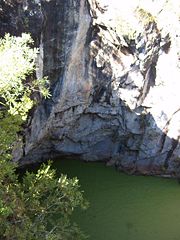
125	207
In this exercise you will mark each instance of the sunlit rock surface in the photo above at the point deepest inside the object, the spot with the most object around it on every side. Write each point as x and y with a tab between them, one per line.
115	80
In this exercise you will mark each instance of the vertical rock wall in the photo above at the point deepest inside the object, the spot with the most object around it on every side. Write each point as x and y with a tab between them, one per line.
114	72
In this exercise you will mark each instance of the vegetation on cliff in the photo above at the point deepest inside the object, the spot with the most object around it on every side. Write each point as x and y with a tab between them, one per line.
38	205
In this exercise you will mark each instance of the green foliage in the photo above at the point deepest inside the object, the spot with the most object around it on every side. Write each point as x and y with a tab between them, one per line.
38	206
17	63
145	17
124	27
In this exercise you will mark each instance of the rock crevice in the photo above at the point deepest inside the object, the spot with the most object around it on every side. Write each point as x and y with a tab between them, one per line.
114	74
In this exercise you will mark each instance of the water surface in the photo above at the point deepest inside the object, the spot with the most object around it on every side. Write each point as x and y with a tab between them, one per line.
124	207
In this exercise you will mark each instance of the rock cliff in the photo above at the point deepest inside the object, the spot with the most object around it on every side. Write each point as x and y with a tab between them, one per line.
115	76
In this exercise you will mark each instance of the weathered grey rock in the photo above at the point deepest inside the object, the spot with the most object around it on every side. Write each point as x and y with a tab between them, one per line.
115	87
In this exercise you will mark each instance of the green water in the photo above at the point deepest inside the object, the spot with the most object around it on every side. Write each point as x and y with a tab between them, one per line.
125	207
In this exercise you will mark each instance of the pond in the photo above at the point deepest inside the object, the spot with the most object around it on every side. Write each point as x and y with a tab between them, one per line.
124	207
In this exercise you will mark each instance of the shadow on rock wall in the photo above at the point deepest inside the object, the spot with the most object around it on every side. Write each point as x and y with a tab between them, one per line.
114	98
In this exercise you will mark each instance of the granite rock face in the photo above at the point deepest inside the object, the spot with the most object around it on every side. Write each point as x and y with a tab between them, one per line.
114	75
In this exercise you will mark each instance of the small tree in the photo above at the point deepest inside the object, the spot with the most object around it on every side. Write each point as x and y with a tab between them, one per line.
39	205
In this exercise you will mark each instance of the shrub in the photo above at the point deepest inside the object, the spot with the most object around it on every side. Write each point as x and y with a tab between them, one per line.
39	205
